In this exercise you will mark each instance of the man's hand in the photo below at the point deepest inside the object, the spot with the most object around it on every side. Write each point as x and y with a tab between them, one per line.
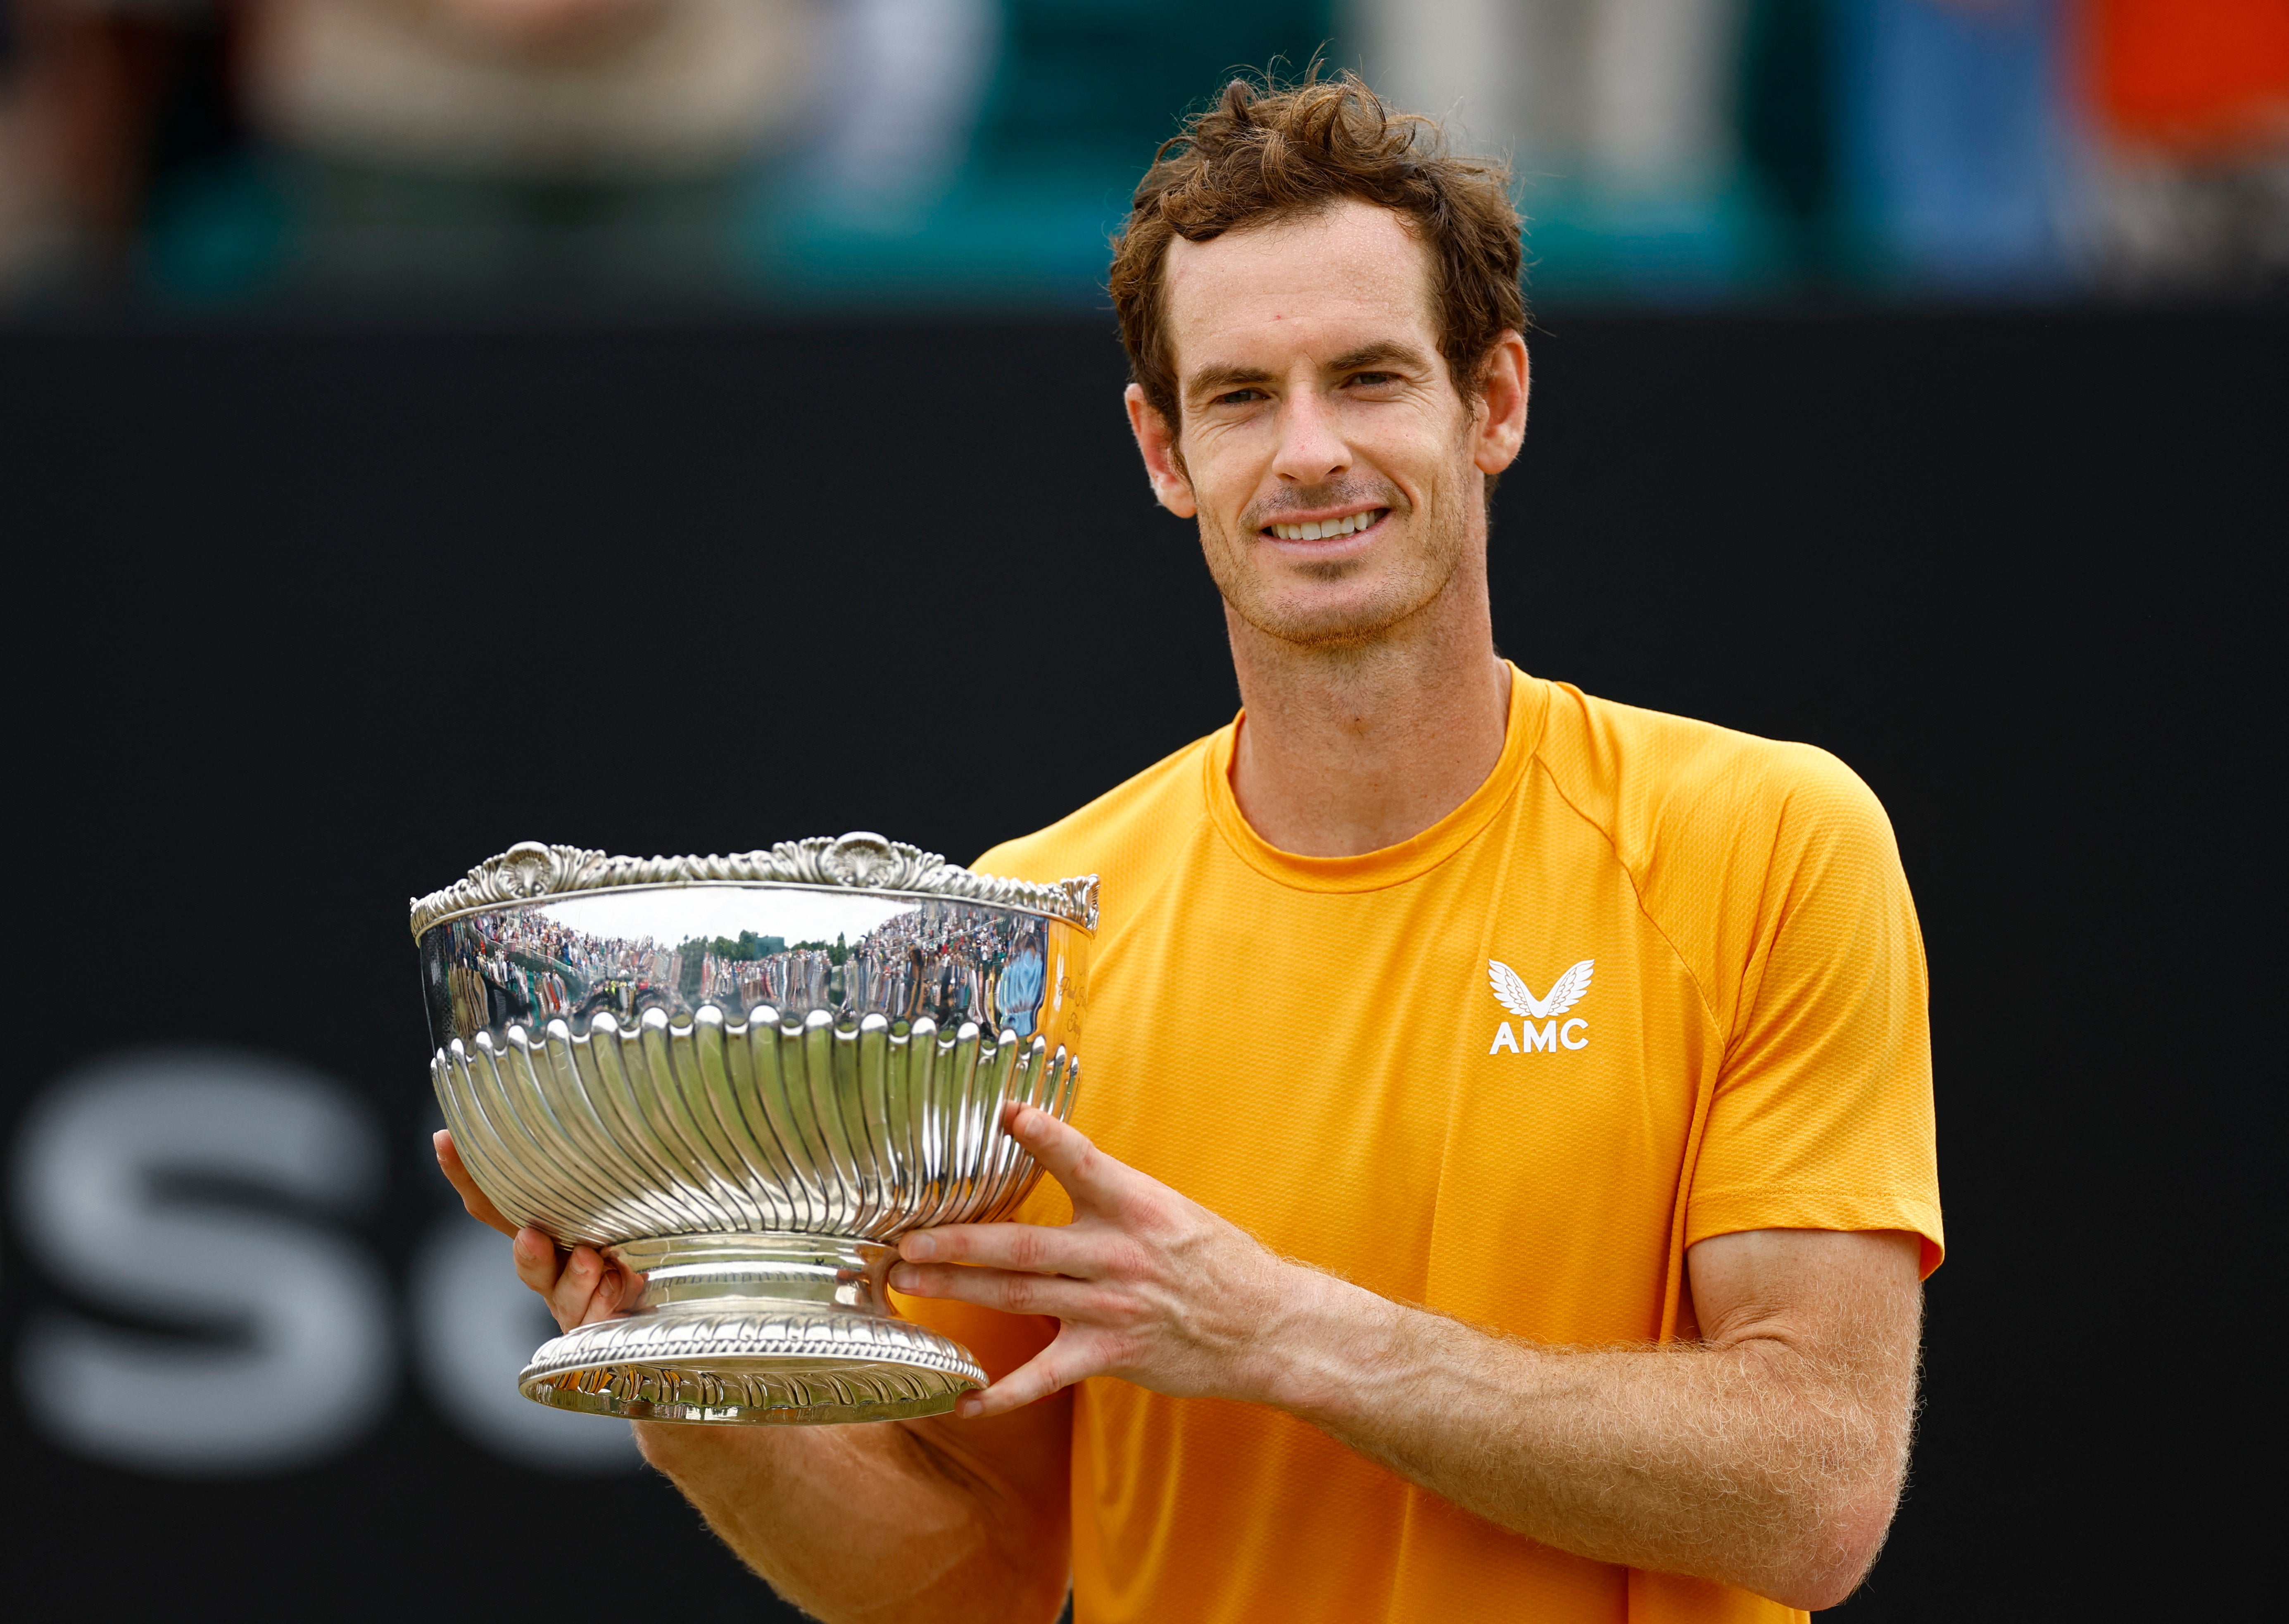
578	1286
1148	1285
1768	1454
911	1522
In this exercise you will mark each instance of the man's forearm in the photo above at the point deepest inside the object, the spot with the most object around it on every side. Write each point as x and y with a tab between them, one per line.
1749	1462
1769	1455
877	1523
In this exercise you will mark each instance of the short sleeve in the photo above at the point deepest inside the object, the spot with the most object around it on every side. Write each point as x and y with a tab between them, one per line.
1822	1115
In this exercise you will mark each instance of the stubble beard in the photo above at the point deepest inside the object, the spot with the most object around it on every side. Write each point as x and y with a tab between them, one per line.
1255	592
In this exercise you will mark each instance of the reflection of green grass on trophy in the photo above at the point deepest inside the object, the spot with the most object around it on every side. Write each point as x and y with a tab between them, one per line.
748	947
745	948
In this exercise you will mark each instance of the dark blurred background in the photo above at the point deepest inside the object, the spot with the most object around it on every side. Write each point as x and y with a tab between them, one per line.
681	424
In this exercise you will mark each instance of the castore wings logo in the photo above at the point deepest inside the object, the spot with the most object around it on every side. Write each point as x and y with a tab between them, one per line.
1511	992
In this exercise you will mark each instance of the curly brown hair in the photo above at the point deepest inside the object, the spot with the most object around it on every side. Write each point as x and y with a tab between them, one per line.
1264	152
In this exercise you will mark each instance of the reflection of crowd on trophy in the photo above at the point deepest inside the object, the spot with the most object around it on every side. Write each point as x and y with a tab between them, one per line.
530	969
949	964
920	962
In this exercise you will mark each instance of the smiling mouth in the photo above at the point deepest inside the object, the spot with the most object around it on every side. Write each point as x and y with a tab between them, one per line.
1324	529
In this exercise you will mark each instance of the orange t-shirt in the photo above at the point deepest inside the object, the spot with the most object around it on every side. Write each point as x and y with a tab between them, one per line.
1652	982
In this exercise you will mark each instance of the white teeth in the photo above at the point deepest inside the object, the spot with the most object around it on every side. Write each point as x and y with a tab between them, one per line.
1324	528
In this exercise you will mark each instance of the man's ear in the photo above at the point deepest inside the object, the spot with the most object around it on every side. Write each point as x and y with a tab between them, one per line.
1157	441
1503	389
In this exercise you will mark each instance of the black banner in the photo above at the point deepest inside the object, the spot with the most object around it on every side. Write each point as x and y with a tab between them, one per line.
303	624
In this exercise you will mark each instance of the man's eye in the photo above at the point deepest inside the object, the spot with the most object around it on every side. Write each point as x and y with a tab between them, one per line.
1239	397
1374	380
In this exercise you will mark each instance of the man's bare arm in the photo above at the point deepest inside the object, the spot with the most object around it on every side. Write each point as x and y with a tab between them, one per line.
923	1521
926	1521
1767	1453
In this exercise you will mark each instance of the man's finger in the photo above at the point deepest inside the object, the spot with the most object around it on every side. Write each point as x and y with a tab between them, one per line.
538	1260
1058	1365
1000	1288
1089	1176
480	1204
1034	1247
588	1290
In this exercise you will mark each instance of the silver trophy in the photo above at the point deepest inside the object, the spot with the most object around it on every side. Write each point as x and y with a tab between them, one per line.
743	1079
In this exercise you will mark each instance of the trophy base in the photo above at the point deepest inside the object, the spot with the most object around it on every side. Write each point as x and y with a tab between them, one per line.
759	1329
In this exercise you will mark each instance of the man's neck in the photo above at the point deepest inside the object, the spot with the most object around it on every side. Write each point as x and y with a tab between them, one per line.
1351	749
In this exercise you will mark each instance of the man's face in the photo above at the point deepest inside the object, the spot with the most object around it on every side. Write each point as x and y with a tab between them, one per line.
1334	467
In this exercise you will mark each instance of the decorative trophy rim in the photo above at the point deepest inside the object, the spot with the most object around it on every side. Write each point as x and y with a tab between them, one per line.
753	1361
859	860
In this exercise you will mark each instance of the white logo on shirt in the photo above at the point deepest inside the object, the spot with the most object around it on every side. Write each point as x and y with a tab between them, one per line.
1511	992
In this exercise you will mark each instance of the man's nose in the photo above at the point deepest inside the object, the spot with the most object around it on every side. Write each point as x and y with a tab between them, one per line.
1310	451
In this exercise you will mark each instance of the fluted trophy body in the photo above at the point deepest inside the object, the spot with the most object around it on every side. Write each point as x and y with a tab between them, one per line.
743	1079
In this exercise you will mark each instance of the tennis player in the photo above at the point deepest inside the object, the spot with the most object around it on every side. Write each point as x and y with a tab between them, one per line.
1506	1173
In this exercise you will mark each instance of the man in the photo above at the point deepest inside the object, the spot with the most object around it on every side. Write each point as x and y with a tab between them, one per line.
1371	1284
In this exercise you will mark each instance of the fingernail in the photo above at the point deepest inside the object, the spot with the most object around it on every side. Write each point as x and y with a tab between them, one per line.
904	1277
527	1251
921	1248
967	1406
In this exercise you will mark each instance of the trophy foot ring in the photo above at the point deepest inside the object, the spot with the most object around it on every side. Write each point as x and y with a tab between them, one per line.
773	1368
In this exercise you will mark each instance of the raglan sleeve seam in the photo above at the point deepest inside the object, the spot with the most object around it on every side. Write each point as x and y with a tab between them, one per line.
1637	894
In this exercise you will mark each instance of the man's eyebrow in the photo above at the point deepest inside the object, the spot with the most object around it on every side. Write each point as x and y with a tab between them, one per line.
1209	380
1383	350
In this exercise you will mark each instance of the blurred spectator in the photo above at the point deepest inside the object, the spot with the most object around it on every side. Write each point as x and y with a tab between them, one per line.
584	146
1786	117
1958	143
908	77
1618	116
982	151
2190	100
396	150
95	95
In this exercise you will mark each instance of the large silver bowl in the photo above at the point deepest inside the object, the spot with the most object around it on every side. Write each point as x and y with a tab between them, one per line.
744	1078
